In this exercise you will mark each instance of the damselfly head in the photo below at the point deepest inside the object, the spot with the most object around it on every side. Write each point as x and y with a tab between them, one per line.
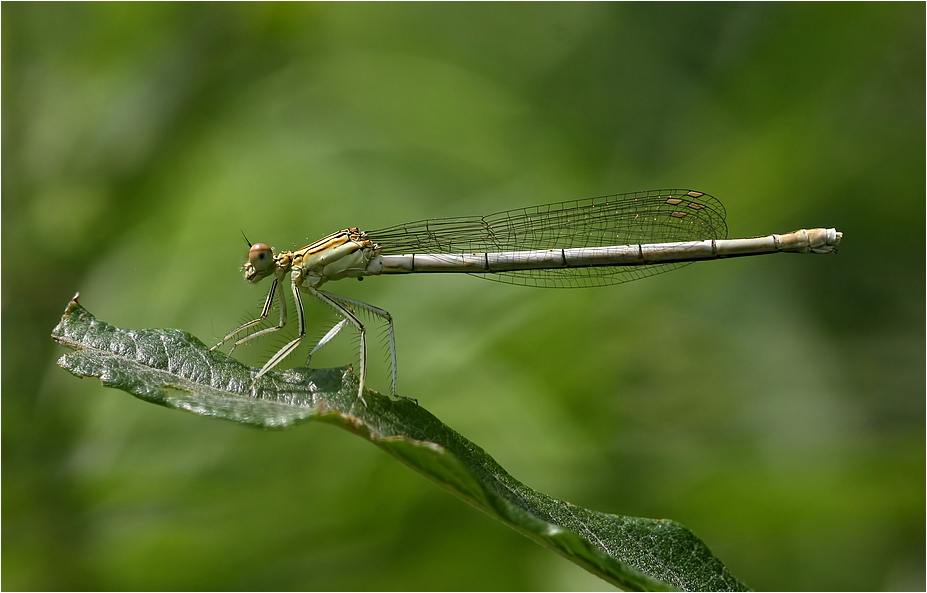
261	256
260	262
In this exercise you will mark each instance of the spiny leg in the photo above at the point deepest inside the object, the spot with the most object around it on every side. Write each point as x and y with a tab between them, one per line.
263	316
288	349
383	314
327	338
269	329
349	316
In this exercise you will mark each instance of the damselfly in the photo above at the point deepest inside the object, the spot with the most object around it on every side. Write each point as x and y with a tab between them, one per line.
592	242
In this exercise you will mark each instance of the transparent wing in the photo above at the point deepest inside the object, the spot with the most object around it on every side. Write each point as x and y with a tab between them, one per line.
655	216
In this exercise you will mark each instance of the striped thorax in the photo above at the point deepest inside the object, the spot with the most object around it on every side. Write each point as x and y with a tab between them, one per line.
344	254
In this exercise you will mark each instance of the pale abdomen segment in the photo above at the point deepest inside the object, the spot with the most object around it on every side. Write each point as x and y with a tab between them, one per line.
560	262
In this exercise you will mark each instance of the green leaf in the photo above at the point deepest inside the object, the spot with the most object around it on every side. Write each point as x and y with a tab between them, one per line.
173	368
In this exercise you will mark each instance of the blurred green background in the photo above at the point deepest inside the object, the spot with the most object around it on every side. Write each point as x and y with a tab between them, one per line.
775	406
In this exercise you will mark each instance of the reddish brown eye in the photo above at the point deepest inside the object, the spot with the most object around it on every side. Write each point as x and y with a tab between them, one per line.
260	256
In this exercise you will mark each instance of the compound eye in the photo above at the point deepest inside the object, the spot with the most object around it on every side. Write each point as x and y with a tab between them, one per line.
260	256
